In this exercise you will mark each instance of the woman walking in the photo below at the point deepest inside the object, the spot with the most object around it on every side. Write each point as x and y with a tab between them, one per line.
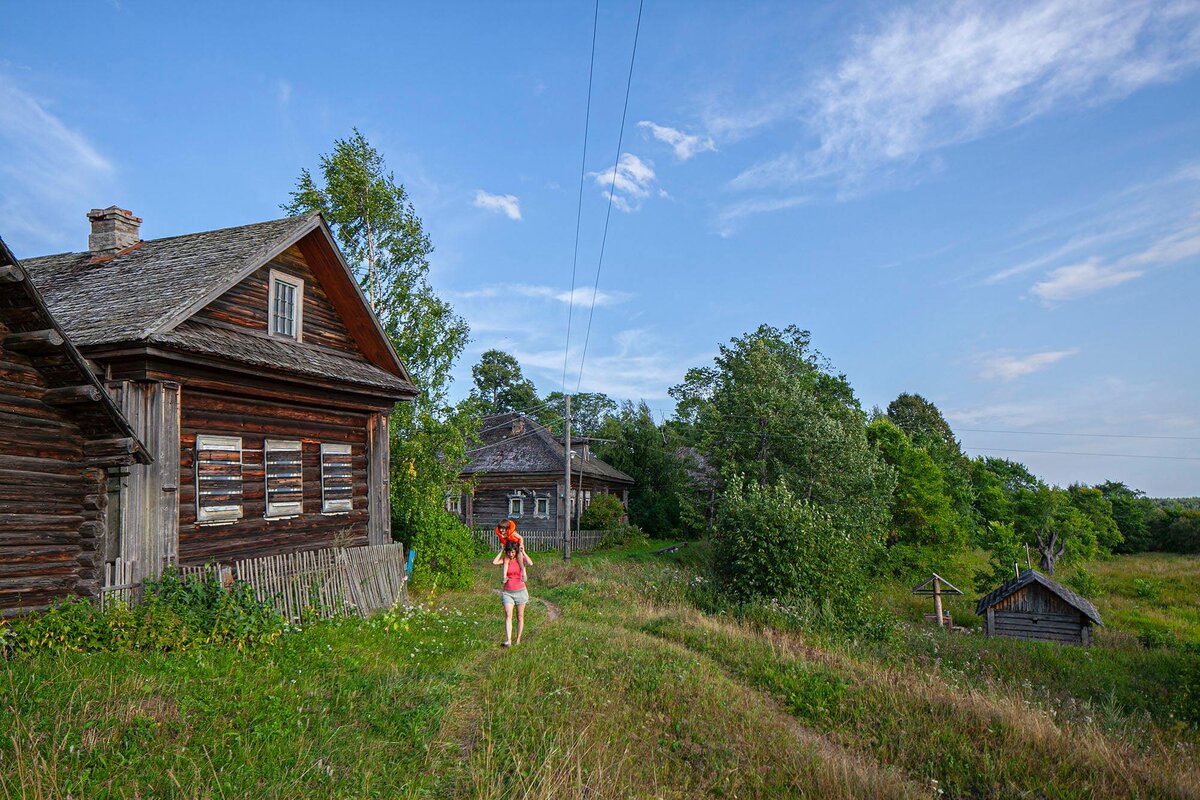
513	559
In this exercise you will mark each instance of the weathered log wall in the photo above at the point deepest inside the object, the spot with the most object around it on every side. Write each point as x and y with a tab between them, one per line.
255	421
1033	612
52	503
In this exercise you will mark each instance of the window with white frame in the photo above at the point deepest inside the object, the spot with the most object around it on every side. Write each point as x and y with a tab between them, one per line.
218	465
516	505
283	466
337	479
541	506
286	305
454	503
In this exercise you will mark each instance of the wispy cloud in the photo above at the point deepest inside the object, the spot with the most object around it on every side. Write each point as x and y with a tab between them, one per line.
1077	280
507	204
48	170
1006	367
283	92
936	74
685	145
581	296
631	364
634	178
730	217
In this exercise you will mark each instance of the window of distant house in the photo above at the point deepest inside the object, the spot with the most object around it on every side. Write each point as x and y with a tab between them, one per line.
218	479
454	503
287	305
337	479
541	506
283	465
516	505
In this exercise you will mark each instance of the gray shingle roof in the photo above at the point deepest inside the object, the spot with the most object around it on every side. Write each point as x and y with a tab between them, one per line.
127	297
534	450
138	295
1033	576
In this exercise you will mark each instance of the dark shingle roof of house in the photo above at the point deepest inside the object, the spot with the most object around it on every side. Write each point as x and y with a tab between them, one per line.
141	294
131	295
1033	576
533	450
23	309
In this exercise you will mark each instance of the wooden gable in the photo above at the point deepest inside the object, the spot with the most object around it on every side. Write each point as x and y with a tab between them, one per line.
246	305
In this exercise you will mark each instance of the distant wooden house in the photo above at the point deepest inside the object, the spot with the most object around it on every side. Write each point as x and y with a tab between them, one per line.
1032	606
61	436
252	368
518	472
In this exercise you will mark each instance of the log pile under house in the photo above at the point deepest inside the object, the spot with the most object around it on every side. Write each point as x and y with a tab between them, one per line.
252	370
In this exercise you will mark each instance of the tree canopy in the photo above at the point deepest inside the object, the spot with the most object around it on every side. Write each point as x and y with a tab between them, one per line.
500	385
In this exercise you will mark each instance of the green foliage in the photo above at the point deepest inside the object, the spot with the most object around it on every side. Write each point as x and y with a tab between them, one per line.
499	384
1153	637
444	549
1131	510
1084	583
813	695
589	412
1189	684
1176	530
604	512
1091	502
770	408
771	544
623	535
922	515
1006	549
174	614
664	498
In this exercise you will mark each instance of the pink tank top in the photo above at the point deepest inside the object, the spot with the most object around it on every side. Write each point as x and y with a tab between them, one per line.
513	571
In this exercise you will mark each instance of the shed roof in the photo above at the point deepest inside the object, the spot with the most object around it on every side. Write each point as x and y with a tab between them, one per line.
146	293
23	309
1030	576
534	450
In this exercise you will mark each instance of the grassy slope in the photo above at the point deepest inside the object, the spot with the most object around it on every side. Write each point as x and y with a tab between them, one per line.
629	693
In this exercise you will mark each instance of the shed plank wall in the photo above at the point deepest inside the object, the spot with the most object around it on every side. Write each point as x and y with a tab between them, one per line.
255	421
1035	613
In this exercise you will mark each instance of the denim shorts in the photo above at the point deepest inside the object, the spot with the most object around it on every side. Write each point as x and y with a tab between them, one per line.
510	598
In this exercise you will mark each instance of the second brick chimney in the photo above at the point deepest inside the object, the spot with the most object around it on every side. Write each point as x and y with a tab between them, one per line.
113	229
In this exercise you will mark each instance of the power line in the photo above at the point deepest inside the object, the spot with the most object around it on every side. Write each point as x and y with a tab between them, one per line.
587	118
1098	435
1070	453
611	190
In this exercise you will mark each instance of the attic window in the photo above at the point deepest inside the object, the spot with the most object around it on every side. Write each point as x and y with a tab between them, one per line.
283	465
337	479
286	305
218	479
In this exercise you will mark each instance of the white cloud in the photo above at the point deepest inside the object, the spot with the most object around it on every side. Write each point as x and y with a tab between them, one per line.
581	296
1078	280
685	145
507	204
936	74
731	216
1005	367
47	173
631	364
632	182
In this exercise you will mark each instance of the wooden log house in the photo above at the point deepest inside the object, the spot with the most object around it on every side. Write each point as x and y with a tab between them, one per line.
61	436
518	472
1032	606
251	366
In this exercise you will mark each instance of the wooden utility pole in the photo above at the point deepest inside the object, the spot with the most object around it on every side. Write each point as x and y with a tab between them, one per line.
568	505
937	600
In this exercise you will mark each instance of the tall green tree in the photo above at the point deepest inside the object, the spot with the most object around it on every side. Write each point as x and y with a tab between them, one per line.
386	246
1091	502
922	514
589	410
663	500
1132	511
772	409
500	385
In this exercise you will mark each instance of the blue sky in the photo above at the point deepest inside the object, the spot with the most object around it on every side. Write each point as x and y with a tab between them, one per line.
996	205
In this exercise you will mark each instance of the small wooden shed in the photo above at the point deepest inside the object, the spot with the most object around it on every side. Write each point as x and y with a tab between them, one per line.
1032	606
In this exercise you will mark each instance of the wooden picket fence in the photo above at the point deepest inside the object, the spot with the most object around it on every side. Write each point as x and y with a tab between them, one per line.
325	583
541	541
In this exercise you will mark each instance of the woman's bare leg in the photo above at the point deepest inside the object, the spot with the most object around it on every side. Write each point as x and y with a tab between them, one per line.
508	622
520	621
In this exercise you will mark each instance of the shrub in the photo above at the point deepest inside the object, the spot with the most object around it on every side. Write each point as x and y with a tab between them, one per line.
1154	637
175	614
771	544
1084	583
604	512
444	549
1146	589
623	535
1189	683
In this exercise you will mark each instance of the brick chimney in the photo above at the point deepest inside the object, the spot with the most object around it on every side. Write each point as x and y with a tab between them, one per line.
113	229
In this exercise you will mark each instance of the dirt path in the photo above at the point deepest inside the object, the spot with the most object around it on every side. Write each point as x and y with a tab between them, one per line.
553	612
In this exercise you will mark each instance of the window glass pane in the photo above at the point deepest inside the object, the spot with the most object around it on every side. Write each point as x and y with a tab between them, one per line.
284	307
